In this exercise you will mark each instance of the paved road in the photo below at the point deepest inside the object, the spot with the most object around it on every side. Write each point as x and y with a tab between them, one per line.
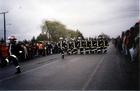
109	71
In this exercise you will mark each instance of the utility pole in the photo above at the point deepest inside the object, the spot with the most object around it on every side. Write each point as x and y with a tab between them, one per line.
4	26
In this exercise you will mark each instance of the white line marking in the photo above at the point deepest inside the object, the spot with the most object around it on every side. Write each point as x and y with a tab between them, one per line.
27	71
87	83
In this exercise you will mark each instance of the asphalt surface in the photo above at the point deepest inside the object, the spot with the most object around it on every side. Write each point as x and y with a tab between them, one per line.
104	71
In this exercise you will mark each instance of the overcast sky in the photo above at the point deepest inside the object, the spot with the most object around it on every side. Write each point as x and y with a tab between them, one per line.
91	17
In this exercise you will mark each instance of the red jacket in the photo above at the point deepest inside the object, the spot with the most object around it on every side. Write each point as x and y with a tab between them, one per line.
127	40
4	50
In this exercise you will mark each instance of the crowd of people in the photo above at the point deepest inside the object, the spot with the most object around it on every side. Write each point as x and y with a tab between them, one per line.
29	51
128	43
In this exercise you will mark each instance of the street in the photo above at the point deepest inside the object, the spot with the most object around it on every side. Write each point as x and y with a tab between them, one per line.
104	71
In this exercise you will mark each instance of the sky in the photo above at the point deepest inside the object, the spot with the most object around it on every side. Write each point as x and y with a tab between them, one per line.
90	17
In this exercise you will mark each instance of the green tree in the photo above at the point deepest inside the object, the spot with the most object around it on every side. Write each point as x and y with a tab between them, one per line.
79	34
53	30
41	37
33	40
25	41
105	36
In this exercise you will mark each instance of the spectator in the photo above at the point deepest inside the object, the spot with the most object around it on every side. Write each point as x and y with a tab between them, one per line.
33	49
20	54
44	48
4	55
39	49
28	46
55	48
25	51
50	48
47	48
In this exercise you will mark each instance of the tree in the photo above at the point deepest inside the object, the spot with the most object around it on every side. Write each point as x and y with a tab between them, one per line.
53	30
41	37
105	36
79	34
25	41
33	40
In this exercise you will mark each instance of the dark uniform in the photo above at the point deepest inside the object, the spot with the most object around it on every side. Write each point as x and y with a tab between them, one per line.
86	45
68	48
105	45
65	45
93	45
80	45
12	49
62	47
74	46
99	45
71	46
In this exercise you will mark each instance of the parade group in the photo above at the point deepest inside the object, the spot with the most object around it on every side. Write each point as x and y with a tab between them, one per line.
20	51
85	46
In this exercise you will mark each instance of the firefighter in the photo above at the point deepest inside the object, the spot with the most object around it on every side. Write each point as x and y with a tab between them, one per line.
95	45
68	48
99	45
13	51
86	44
105	44
80	45
91	45
61	46
71	45
65	44
74	46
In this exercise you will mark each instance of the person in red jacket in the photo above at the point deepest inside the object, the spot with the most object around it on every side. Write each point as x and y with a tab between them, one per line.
4	54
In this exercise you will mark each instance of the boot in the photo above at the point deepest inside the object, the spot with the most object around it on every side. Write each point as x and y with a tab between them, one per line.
18	71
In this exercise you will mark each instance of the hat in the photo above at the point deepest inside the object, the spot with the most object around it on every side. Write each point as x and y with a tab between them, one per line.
60	38
79	37
12	37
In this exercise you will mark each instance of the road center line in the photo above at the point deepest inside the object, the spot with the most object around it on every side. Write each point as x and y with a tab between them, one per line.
28	71
87	83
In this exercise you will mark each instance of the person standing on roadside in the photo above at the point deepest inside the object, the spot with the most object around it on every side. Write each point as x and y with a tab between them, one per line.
4	54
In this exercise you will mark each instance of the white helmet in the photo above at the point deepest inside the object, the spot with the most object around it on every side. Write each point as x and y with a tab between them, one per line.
60	38
79	37
12	38
86	38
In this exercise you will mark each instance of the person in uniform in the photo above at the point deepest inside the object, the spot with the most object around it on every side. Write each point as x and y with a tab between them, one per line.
61	46
95	45
68	48
105	45
99	45
71	45
74	46
80	45
65	44
12	49
86	45
91	45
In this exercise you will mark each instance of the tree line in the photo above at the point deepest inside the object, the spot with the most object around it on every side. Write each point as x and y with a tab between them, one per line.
53	30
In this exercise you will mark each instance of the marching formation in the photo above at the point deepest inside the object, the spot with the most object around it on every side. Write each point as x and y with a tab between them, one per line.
87	45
